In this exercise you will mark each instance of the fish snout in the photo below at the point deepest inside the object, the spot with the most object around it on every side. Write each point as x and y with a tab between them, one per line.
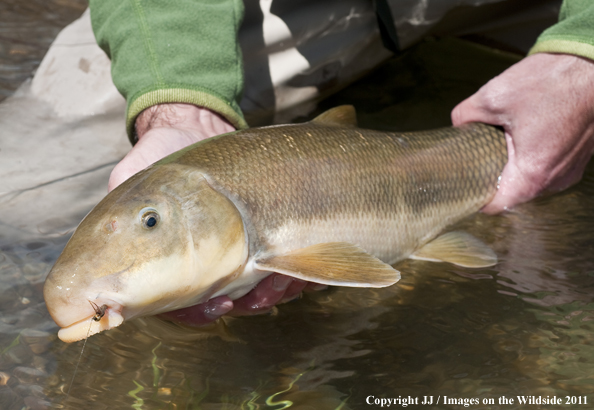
103	317
78	315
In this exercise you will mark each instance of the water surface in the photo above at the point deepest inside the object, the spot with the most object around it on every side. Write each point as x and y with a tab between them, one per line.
27	28
521	327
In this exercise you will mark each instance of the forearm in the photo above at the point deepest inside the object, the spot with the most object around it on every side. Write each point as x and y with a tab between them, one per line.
164	51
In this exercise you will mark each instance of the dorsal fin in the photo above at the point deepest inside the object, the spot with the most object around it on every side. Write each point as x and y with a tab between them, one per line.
343	115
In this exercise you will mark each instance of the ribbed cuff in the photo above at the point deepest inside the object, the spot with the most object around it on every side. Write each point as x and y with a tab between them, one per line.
181	95
566	46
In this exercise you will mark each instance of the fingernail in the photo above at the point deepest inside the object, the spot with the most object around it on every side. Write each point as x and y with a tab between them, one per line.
281	282
213	311
319	286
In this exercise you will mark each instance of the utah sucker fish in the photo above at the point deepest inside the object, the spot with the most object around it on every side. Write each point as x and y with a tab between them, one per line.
322	201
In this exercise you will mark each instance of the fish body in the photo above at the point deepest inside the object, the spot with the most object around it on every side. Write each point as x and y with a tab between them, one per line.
323	201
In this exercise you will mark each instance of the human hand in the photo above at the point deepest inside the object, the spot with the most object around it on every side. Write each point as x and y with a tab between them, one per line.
273	290
162	130
544	103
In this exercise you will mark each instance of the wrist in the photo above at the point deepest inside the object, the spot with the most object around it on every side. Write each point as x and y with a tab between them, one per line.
179	116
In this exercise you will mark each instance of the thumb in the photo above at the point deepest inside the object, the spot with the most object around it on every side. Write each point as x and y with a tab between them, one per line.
477	108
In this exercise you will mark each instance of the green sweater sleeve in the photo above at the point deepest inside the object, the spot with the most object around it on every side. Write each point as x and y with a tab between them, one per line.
165	51
574	34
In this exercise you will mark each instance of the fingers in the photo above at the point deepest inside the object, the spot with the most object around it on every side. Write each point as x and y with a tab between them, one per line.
472	109
488	105
314	287
273	290
513	189
549	129
294	290
266	294
479	108
201	314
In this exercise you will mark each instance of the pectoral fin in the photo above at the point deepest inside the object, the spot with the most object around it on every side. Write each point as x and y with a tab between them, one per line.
335	263
458	248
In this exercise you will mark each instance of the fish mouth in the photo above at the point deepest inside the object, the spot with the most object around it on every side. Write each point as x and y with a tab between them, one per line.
92	325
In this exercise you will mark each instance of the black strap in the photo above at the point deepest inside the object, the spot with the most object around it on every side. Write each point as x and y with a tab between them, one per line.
386	25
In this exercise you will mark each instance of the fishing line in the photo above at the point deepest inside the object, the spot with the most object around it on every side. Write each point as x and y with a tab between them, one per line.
80	357
99	313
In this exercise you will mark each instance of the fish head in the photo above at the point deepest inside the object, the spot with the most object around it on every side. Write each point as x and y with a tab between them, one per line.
163	240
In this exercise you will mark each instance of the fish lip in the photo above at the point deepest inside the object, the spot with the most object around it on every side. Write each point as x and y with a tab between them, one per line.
88	326
90	294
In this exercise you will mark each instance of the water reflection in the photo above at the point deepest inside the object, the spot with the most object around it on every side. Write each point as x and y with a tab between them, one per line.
519	328
26	330
441	331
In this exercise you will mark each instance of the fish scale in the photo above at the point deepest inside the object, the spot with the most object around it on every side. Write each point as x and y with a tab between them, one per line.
323	201
318	172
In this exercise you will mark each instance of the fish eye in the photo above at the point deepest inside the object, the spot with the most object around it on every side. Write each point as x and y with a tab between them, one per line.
149	218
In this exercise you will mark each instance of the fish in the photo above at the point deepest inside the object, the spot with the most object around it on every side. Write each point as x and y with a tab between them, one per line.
322	201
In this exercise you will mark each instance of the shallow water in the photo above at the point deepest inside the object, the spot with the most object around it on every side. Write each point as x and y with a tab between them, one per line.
26	31
520	328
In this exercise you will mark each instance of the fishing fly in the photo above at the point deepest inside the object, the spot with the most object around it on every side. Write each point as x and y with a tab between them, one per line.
99	311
